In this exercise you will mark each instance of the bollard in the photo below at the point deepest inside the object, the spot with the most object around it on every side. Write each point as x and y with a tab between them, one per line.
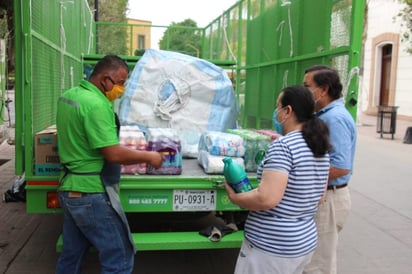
408	136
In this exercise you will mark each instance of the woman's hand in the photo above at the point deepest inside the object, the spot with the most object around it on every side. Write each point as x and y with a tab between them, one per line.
230	192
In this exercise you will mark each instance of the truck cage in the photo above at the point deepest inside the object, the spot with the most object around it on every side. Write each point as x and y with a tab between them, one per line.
265	44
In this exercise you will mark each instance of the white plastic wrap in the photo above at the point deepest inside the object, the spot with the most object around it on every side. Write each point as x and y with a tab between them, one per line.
167	142
132	137
222	144
256	145
212	164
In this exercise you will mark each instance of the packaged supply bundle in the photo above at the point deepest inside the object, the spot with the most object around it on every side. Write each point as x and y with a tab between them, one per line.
133	138
167	142
190	142
222	144
255	147
212	164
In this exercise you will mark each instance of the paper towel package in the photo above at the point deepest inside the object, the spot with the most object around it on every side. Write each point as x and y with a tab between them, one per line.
132	137
213	164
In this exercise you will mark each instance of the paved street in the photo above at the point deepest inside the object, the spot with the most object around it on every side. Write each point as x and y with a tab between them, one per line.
376	240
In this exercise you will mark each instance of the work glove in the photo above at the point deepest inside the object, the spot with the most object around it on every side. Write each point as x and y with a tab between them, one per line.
216	232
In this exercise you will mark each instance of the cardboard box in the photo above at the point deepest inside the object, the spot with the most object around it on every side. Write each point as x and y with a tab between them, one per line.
46	159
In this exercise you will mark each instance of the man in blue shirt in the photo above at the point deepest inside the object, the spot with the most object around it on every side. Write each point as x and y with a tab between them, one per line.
324	82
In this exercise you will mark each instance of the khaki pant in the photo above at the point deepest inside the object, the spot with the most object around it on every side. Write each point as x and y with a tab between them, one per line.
330	218
254	261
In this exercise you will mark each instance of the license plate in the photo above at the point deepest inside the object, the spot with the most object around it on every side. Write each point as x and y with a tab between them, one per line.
194	200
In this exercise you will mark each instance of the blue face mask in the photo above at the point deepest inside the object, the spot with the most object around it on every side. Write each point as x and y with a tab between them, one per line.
276	124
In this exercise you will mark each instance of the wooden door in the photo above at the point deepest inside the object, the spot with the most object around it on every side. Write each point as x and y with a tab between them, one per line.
385	75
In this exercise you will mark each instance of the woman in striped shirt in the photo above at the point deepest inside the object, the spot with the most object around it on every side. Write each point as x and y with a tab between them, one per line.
280	232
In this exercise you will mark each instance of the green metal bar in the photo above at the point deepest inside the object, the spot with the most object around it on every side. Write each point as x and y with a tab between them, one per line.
145	25
37	178
131	41
18	86
226	37
158	182
132	60
239	58
96	39
177	241
169	183
23	89
329	25
52	45
239	47
344	50
202	44
220	35
92	59
27	96
358	13
209	43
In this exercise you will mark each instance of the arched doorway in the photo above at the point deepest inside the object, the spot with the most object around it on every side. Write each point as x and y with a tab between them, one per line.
385	72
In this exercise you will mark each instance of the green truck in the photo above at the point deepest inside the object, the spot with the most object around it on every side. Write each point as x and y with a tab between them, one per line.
263	44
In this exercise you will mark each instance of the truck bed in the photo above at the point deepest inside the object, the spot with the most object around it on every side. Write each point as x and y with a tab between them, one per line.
159	195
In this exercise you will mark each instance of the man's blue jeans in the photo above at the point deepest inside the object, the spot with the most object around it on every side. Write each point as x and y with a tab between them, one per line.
91	221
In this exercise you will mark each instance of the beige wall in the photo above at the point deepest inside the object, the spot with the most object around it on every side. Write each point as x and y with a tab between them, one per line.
138	28
381	30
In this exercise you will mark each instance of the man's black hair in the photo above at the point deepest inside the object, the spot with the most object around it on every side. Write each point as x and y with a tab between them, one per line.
327	76
109	63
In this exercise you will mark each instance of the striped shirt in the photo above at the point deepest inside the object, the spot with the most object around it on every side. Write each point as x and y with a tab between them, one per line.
288	229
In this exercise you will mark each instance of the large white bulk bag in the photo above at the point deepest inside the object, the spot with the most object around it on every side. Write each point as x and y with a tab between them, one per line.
170	89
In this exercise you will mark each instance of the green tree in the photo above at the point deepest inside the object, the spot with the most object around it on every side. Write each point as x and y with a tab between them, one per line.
184	37
405	16
7	31
111	39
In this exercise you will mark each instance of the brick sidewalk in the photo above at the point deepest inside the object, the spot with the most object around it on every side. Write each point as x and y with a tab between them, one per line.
17	226
367	126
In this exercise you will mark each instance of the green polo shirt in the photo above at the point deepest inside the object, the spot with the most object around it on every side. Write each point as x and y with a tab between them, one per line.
85	123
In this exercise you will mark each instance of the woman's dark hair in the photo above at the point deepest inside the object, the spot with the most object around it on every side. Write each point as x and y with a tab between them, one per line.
314	130
327	76
109	63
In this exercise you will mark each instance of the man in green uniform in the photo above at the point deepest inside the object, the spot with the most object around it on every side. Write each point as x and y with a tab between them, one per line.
91	155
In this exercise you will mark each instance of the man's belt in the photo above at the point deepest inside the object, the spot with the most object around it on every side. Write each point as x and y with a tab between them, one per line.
76	194
337	187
